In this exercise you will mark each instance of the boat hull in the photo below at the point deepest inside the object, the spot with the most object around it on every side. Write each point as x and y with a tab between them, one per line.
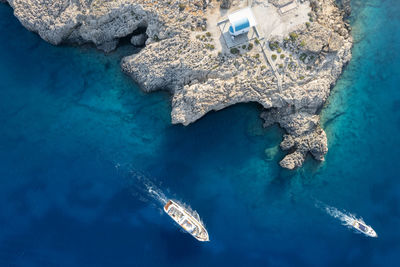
186	220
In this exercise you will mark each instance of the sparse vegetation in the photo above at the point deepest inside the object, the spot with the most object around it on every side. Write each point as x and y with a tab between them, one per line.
210	46
303	57
280	66
263	67
292	66
273	45
234	51
182	7
256	41
308	24
303	43
293	36
208	34
301	77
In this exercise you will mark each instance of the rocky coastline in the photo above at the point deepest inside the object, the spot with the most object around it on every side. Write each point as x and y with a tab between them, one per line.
182	55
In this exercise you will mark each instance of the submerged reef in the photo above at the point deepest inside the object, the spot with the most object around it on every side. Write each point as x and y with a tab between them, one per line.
290	75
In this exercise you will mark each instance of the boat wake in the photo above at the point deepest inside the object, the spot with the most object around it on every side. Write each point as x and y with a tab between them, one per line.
347	219
143	186
156	194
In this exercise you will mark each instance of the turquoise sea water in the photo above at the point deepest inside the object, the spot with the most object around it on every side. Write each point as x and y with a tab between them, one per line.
75	132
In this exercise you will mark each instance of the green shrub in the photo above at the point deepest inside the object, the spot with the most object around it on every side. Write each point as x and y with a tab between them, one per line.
273	45
234	50
303	57
256	41
279	50
293	36
273	57
250	46
210	46
244	46
257	56
301	77
280	66
182	7
208	34
263	67
303	44
282	56
308	24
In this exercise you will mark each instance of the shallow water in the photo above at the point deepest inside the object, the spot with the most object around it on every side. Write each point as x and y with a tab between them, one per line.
76	133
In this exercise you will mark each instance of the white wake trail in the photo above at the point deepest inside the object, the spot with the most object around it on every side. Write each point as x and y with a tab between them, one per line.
348	219
148	189
144	187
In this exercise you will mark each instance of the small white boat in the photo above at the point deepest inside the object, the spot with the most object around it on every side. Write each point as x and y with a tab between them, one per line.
363	228
186	220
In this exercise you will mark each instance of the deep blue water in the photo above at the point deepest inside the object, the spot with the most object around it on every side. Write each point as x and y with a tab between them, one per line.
73	127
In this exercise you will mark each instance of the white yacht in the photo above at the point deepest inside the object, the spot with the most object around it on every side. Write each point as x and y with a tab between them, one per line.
363	228
186	220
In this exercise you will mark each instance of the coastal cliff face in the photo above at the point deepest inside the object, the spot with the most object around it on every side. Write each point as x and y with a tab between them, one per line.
182	56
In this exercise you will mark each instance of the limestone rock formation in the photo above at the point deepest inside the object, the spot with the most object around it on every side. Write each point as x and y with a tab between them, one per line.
226	4
139	40
180	56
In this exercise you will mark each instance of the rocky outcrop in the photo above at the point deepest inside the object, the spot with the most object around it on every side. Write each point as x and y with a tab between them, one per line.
304	135
226	4
181	56
139	40
346	6
102	23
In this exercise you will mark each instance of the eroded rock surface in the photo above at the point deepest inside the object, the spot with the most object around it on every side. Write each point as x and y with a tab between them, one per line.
182	56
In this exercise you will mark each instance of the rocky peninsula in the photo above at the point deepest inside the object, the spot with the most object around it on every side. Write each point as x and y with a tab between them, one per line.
289	70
